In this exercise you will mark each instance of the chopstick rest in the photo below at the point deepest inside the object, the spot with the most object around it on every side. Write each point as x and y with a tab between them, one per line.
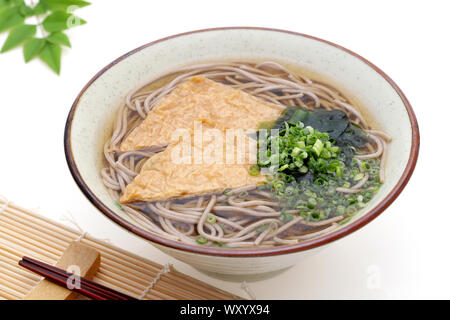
77	257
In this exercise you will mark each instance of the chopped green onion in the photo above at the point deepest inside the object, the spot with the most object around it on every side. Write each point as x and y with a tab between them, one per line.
308	166
351	210
300	144
201	240
220	244
298	163
335	149
118	204
243	194
315	216
339	171
325	153
286	217
368	196
254	170
310	206
358	176
295	151
346	184
345	220
340	210
279	184
303	169
211	219
262	228
227	192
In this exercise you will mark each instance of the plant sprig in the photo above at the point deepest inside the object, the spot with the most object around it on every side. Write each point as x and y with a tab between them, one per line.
39	27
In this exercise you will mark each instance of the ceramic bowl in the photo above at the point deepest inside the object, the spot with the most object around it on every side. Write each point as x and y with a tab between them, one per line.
90	121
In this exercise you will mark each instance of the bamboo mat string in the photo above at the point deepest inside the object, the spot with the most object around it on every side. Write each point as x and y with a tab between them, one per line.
71	219
164	270
81	237
5	205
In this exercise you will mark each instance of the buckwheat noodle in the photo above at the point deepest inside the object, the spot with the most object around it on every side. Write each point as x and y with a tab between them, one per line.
241	222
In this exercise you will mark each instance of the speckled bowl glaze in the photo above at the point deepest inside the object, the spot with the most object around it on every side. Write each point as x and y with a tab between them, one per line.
89	123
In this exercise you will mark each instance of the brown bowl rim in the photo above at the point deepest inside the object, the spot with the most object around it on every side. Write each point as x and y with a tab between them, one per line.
372	214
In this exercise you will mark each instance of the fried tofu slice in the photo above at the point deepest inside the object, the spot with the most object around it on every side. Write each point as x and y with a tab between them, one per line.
164	177
216	107
199	99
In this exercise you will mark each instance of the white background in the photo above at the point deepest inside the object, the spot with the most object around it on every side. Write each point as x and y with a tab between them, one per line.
404	253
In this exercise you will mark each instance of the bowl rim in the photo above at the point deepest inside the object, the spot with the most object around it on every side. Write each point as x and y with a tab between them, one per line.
320	241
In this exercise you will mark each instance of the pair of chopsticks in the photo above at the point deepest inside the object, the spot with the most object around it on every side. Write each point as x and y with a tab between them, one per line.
87	287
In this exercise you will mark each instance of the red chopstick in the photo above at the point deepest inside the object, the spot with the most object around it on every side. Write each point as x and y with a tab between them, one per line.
87	287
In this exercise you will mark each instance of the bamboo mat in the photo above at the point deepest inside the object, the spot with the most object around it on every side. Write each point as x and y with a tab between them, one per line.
23	232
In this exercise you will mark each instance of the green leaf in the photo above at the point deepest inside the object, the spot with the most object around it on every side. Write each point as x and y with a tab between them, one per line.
51	55
59	38
66	4
40	8
17	36
25	10
32	48
58	21
4	3
10	17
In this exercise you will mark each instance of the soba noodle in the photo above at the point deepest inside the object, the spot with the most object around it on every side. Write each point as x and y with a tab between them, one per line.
233	221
